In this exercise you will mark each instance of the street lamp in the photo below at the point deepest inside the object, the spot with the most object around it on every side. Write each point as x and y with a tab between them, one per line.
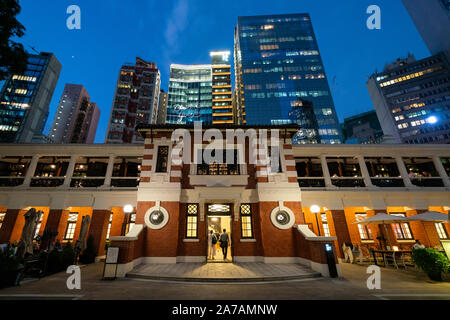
316	209
128	208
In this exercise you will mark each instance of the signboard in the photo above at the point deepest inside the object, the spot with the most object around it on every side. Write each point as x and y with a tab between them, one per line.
446	246
112	258
112	255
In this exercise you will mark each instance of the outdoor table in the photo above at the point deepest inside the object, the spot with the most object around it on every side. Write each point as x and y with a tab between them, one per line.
387	253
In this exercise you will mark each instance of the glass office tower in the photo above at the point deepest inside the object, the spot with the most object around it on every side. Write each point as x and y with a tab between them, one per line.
277	62
222	95
25	99
190	94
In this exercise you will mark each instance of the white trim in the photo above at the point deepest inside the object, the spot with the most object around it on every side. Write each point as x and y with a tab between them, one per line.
247	259
162	224
133	235
273	217
159	260
276	260
248	240
191	259
191	240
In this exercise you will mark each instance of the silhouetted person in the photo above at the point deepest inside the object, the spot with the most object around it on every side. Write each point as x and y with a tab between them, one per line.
224	239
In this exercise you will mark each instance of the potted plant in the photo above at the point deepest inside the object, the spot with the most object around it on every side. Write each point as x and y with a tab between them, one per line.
432	262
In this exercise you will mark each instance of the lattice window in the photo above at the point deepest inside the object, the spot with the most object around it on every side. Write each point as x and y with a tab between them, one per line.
108	233
246	221
326	228
402	230
192	221
441	231
2	218
71	224
364	231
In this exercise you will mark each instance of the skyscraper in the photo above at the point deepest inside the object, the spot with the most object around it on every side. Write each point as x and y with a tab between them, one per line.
77	118
277	62
412	99
222	102
135	101
190	94
162	107
25	99
363	128
432	19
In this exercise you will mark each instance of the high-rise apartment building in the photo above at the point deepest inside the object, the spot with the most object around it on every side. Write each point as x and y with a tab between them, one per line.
277	62
190	94
25	99
135	101
162	107
77	118
412	99
432	19
222	100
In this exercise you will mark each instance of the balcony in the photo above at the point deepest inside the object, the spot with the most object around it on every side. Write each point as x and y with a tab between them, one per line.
311	182
87	182
125	182
388	182
10	181
427	182
347	182
48	182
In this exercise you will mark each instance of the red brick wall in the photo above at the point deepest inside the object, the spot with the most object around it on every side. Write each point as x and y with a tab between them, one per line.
98	229
276	242
341	230
57	222
191	248
8	225
163	242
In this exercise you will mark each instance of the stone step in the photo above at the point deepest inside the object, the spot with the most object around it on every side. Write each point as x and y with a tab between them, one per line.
134	275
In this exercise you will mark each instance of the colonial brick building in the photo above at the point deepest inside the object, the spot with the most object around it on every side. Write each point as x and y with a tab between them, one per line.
157	204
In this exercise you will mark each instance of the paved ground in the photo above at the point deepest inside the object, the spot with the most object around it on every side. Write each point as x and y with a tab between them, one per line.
223	271
396	284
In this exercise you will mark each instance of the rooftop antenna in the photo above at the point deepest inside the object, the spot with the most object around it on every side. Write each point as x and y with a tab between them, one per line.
32	48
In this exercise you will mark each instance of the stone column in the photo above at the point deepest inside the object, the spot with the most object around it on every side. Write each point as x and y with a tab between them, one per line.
69	173
326	172
30	171
365	172
404	173
441	170
109	171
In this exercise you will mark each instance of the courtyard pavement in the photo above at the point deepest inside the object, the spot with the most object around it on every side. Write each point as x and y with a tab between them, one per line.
396	284
223	272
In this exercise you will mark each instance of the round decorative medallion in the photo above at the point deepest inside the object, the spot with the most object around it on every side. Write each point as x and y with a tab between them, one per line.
282	218
156	218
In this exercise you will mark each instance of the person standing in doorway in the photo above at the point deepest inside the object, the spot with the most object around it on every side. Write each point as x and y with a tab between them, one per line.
212	240
224	239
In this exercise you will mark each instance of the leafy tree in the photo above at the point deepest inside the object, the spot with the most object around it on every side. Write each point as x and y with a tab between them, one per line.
13	58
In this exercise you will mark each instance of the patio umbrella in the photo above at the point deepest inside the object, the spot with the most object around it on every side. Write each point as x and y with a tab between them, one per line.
383	218
81	242
430	216
32	218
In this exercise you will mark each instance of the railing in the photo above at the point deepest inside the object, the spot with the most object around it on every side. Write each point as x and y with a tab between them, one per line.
427	182
348	182
125	182
11	181
391	182
87	182
307	182
47	182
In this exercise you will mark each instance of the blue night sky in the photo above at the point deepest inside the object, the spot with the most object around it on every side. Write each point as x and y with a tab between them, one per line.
184	31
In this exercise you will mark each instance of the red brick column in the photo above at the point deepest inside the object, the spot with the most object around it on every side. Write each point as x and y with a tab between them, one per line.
342	230
8	225
98	229
425	231
57	222
18	225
